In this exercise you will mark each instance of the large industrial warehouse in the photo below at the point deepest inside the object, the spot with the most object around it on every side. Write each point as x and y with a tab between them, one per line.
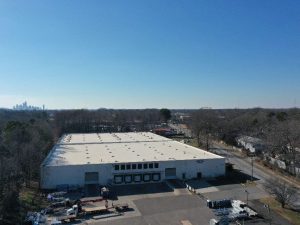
124	158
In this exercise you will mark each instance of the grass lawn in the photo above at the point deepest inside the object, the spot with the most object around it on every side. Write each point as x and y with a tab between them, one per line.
289	214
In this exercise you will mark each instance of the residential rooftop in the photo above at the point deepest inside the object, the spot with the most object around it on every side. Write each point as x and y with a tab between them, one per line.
102	148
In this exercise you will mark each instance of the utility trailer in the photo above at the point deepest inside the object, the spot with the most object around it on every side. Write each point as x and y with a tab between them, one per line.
91	208
66	218
91	199
94	210
86	209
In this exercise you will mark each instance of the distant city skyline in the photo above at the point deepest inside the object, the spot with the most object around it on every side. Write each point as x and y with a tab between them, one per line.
27	107
150	54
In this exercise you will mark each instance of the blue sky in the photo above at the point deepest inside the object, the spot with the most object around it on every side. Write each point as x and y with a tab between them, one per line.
150	54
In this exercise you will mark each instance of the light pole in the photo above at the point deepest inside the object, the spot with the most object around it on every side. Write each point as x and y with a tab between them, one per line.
269	211
247	193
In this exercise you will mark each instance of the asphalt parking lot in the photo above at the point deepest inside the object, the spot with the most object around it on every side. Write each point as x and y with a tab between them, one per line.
167	210
162	204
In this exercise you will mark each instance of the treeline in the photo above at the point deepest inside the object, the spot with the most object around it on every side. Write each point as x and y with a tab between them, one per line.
227	124
279	129
106	120
25	138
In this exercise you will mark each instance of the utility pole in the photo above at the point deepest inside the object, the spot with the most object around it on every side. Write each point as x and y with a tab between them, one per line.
251	169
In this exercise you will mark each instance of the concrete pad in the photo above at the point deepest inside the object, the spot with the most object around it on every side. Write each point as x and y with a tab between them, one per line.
206	190
177	186
237	193
201	186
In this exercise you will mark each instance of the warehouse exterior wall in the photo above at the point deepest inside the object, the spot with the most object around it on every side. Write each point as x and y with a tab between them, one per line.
51	176
207	167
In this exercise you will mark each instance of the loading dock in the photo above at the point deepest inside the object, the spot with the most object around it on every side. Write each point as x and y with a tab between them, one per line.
137	178
118	179
156	176
147	177
128	179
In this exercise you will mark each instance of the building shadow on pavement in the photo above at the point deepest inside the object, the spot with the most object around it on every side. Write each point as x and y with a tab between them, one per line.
232	177
138	189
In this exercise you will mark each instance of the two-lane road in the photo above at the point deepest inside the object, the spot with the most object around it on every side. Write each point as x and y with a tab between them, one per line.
244	164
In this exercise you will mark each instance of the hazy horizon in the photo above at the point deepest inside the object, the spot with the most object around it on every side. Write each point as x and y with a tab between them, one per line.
106	108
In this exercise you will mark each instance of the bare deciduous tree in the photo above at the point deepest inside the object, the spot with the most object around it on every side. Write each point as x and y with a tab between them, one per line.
204	125
283	138
283	193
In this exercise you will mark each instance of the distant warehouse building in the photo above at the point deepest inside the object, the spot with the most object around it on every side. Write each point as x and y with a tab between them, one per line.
124	158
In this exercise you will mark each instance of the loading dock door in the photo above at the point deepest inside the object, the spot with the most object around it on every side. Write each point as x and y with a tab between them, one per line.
156	176
137	178
128	178
91	178
170	173
118	179
147	177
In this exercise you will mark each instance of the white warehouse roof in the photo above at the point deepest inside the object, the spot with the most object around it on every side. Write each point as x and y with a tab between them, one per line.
100	148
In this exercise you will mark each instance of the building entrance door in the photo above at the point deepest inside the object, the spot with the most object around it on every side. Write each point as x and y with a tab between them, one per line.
170	173
199	175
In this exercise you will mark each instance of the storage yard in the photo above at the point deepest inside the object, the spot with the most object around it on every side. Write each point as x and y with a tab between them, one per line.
162	203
